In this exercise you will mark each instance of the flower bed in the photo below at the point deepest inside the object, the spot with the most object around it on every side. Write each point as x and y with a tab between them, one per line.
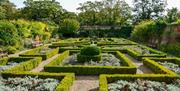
107	60
56	66
148	82
43	52
172	64
26	81
19	63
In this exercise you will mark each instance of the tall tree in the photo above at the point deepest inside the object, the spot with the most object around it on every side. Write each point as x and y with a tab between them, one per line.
7	10
106	12
148	9
46	10
173	15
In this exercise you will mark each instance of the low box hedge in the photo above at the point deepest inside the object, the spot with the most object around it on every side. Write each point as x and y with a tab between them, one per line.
54	66
45	56
140	56
106	79
156	67
26	64
66	79
171	60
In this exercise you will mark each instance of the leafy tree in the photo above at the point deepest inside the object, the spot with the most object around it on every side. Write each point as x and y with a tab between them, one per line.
7	10
149	32
8	34
106	12
173	15
69	26
148	9
46	10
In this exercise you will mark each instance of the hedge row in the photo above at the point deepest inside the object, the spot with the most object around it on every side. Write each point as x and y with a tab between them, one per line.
139	56
4	61
156	67
105	79
66	79
54	66
172	60
36	50
26	66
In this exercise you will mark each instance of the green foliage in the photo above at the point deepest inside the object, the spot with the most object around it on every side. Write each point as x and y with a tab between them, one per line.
106	12
144	31
90	51
10	49
23	27
172	15
148	9
44	10
69	26
8	34
173	49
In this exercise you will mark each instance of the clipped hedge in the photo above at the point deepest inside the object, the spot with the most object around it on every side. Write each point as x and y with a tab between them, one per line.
4	61
66	79
27	65
54	66
139	56
156	67
105	79
36	50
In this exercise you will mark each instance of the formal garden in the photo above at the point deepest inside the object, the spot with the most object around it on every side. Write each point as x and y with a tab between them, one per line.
109	45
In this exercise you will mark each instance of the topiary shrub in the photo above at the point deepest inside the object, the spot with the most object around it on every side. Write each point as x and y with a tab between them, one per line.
89	53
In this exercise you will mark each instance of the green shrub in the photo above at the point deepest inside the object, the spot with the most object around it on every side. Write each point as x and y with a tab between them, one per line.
69	26
10	50
89	53
173	49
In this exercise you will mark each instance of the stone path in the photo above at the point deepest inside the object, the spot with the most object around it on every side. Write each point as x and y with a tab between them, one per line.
141	68
43	63
85	83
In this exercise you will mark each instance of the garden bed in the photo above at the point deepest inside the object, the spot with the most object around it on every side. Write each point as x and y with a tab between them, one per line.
16	64
172	64
26	81
143	82
44	52
156	67
56	66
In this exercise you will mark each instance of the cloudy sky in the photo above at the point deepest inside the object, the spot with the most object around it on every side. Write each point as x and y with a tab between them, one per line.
71	5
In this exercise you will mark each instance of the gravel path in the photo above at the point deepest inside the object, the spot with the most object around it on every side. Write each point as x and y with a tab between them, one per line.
43	63
85	83
141	68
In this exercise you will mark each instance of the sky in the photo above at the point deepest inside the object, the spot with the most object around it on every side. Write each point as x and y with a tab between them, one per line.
71	5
